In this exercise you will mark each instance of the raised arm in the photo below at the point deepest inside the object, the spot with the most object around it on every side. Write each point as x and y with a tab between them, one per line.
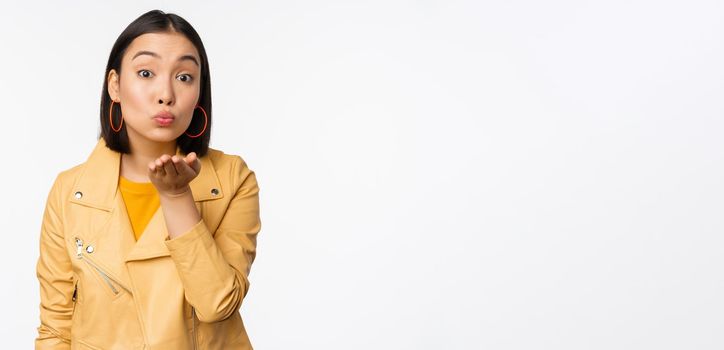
214	266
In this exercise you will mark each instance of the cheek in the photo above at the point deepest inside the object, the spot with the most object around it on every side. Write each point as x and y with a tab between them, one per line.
133	92
187	100
189	93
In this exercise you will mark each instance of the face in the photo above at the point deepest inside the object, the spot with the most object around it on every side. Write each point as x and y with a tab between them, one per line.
159	73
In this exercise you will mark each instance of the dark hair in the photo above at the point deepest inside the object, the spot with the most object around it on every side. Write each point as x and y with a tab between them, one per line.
156	21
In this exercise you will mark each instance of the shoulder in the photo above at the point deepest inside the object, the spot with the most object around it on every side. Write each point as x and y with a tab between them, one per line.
62	185
231	164
71	173
221	159
67	177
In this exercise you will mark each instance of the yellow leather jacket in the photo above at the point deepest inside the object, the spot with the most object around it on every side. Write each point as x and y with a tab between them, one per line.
100	289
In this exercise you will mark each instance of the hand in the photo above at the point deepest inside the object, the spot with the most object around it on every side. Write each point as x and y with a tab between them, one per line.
172	174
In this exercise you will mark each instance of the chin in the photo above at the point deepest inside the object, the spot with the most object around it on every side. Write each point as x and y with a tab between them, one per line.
163	135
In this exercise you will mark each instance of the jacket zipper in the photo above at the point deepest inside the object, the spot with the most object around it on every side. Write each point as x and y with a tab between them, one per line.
75	295
193	325
79	255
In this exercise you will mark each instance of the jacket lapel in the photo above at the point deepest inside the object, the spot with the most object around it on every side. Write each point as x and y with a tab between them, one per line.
97	188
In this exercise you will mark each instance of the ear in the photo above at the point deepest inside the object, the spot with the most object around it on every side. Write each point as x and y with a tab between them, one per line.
113	85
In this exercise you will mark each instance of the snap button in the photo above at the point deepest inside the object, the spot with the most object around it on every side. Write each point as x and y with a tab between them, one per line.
78	194
89	249
214	191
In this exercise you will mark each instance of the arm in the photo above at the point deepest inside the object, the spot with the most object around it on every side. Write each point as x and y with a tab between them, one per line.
56	278
214	267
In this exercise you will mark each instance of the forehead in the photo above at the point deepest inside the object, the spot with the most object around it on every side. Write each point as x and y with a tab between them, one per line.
168	45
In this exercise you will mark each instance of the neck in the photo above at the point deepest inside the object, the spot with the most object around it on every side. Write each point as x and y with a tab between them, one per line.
134	166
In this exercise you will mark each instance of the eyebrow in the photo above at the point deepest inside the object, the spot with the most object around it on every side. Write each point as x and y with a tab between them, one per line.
153	54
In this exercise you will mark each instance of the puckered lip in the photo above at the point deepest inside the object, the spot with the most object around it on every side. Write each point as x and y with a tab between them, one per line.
164	115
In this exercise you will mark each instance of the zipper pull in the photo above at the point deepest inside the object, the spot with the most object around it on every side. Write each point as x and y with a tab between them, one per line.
79	247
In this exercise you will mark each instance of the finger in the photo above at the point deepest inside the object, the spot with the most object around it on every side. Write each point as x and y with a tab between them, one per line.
160	171
193	162
152	170
168	165
197	166
190	158
181	167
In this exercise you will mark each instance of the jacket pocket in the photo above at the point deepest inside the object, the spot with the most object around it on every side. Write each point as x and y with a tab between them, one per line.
112	287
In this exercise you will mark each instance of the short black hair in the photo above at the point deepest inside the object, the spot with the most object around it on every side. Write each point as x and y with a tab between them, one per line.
157	21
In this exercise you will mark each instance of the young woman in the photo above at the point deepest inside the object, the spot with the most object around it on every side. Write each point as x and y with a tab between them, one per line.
148	244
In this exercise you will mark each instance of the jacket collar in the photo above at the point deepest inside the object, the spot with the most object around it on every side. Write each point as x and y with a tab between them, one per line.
98	183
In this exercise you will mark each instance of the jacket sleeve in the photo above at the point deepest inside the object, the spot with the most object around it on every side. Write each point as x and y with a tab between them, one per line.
214	266
55	275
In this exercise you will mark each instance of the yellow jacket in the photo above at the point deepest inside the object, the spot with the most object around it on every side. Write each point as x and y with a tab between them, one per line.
100	289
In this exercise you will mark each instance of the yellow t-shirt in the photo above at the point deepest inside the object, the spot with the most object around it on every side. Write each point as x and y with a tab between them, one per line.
142	201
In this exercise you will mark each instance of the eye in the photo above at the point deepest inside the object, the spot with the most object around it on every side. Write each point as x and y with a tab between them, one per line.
140	72
187	76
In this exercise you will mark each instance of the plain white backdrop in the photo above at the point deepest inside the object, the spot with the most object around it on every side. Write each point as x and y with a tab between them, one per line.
433	174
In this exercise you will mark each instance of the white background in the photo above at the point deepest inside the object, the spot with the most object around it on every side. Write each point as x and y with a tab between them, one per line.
433	174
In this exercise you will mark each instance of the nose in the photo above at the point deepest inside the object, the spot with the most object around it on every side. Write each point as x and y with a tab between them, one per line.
166	101
166	95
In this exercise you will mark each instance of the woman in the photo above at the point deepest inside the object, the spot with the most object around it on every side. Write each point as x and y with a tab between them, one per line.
148	243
